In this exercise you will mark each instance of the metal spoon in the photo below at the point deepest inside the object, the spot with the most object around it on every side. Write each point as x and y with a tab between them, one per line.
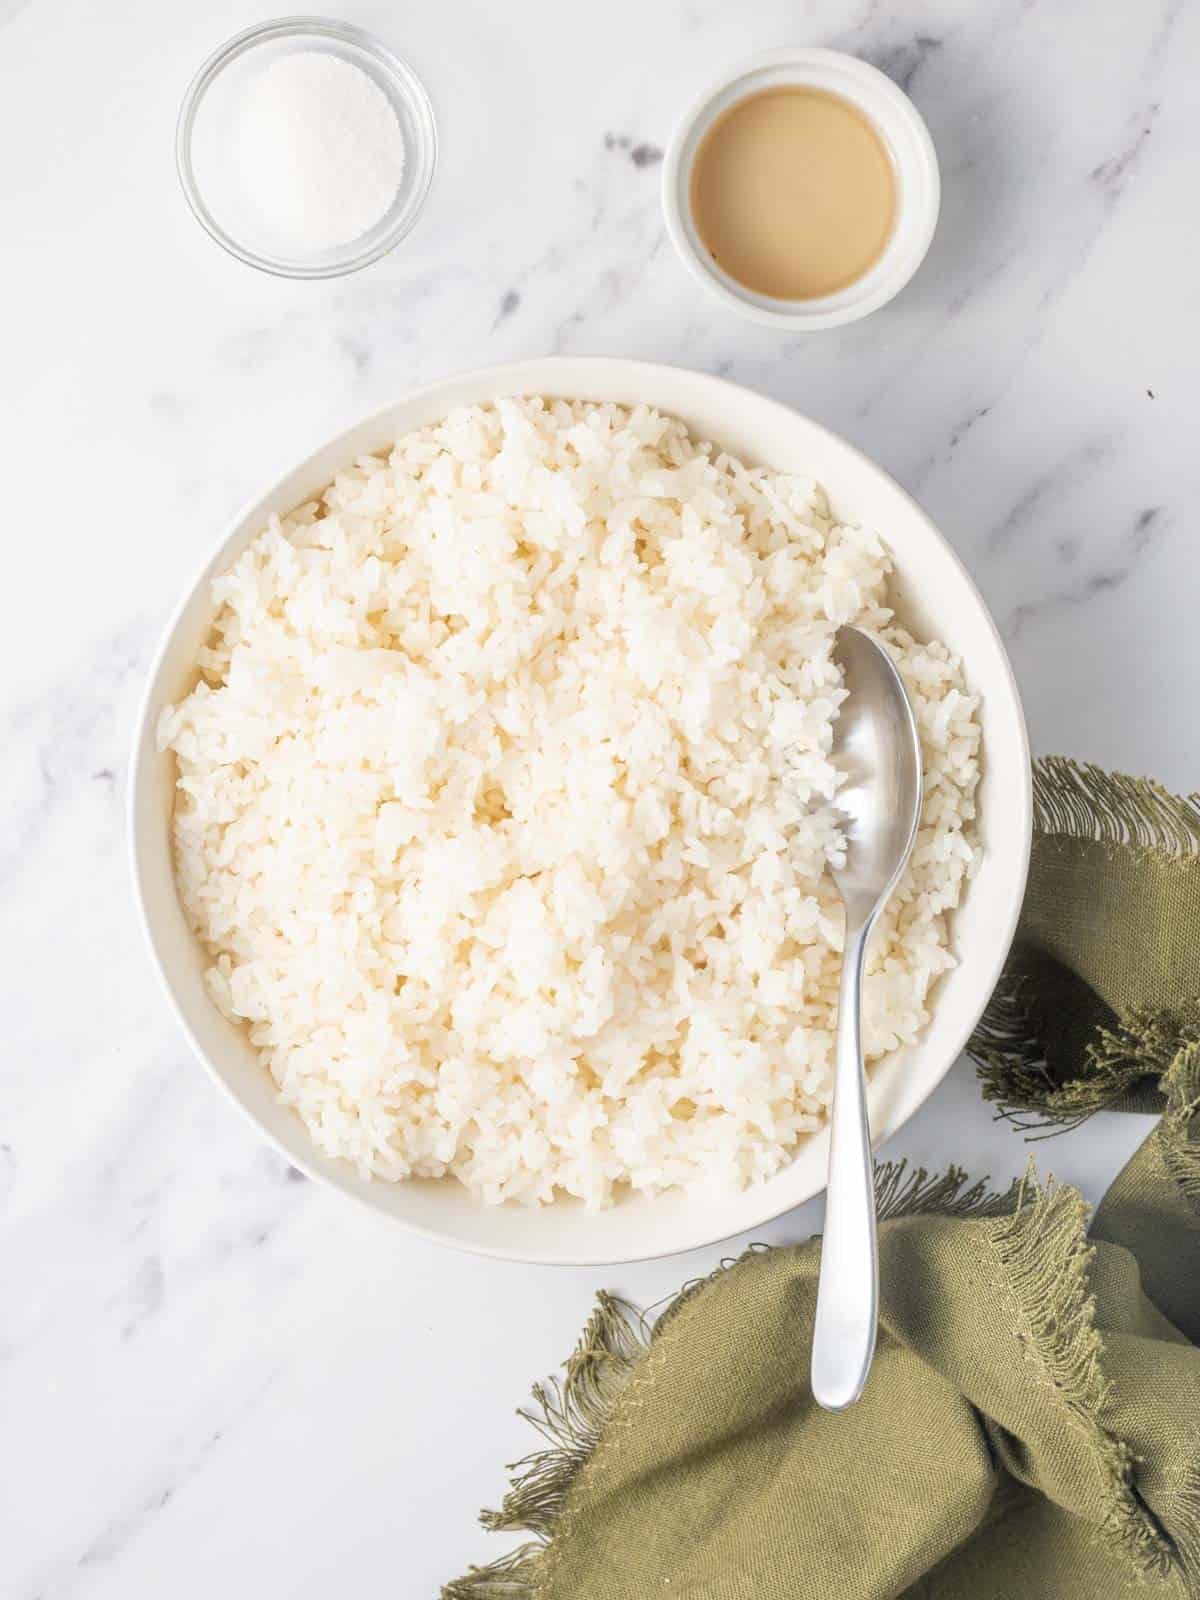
877	748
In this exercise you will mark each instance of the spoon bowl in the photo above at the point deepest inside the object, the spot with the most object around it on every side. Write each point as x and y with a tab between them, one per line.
877	748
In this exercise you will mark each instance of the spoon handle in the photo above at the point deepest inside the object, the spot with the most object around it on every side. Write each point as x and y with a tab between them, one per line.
848	1287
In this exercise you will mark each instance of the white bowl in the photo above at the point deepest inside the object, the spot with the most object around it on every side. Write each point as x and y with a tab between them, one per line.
914	163
934	594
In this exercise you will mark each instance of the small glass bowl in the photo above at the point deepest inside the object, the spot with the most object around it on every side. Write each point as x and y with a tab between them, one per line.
205	137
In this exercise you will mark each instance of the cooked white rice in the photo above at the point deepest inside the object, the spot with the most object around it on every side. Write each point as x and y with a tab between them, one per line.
505	804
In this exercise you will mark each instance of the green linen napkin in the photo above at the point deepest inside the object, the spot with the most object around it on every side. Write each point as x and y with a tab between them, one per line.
1031	1428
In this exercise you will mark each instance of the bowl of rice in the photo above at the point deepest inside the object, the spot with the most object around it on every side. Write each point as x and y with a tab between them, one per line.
485	792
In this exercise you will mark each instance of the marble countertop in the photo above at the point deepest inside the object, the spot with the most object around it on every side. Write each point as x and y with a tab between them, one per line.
214	1378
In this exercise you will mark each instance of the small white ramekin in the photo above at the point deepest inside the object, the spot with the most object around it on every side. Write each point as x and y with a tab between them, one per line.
906	138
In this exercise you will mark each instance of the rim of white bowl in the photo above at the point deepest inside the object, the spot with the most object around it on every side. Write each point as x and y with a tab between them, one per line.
496	377
914	160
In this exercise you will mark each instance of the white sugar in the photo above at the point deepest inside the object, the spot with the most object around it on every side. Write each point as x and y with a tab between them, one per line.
320	150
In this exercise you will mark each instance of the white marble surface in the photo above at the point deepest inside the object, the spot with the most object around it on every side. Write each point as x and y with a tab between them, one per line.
214	1379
